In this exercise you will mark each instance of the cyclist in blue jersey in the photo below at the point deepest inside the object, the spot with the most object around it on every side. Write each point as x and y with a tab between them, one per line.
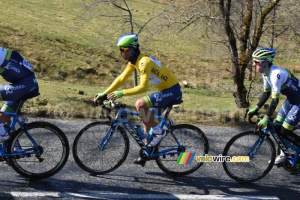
23	85
278	80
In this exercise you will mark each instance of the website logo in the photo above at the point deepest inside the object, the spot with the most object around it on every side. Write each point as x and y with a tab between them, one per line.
185	158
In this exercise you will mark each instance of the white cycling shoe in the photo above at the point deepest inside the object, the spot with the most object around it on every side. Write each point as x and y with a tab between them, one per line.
279	159
157	138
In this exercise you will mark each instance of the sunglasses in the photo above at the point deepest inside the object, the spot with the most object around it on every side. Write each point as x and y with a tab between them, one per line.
122	49
257	61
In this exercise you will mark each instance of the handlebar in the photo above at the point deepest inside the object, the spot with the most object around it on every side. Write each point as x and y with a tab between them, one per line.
113	105
251	116
259	117
108	107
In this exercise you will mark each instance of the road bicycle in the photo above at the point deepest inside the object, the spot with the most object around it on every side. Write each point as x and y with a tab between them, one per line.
103	146
35	150
260	148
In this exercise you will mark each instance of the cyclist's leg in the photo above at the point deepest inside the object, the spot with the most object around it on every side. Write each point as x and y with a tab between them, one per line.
282	113
291	120
292	117
14	95
147	116
159	101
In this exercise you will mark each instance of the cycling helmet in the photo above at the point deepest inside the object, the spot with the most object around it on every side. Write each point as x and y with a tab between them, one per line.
128	40
264	53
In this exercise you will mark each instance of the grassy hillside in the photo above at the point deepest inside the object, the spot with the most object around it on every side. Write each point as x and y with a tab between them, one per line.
72	50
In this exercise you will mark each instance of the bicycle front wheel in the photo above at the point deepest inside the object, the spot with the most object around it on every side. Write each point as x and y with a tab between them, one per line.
89	155
52	144
257	167
192	139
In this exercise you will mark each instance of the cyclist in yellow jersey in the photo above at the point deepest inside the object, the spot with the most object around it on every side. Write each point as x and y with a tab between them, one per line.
150	70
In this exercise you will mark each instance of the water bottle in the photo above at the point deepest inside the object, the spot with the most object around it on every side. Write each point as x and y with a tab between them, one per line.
150	136
140	132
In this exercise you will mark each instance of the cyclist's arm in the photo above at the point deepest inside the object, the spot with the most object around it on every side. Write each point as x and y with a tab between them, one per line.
263	99
277	81
120	79
144	71
265	96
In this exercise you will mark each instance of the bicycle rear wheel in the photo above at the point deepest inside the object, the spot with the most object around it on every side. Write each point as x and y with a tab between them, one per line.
88	155
258	167
53	146
192	139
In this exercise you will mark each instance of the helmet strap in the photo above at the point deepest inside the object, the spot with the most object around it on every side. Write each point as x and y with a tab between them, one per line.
265	65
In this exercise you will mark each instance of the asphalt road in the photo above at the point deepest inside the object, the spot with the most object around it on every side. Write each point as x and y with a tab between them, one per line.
134	182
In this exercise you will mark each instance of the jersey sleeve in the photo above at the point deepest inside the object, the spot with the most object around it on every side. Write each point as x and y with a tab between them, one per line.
267	86
144	71
120	79
277	80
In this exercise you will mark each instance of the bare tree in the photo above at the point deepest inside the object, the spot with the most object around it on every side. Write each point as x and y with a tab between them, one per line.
240	56
238	24
121	11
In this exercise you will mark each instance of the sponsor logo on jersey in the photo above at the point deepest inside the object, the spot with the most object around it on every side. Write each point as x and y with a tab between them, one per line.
10	89
160	97
293	116
291	85
9	66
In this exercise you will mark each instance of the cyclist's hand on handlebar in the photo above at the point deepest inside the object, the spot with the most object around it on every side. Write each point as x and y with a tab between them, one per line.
263	122
115	95
252	112
100	97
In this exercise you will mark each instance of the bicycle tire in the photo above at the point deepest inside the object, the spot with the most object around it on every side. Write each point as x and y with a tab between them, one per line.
54	147
255	169
90	158
192	139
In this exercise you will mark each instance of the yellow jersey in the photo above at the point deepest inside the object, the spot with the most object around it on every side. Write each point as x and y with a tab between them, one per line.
150	70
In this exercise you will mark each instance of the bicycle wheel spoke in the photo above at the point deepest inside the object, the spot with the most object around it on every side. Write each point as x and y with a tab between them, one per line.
88	154
257	167
53	146
186	135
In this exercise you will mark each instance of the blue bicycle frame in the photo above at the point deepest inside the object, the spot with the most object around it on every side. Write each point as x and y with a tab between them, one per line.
15	120
148	151
282	145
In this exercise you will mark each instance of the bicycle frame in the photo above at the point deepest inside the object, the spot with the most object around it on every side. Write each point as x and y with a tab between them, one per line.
282	145
16	120
149	152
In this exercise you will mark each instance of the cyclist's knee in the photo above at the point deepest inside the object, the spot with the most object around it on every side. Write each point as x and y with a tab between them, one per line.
140	104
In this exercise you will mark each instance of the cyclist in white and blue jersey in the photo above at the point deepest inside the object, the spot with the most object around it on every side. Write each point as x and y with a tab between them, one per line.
23	85
278	81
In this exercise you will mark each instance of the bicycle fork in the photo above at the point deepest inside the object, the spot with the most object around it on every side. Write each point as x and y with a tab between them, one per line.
251	153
